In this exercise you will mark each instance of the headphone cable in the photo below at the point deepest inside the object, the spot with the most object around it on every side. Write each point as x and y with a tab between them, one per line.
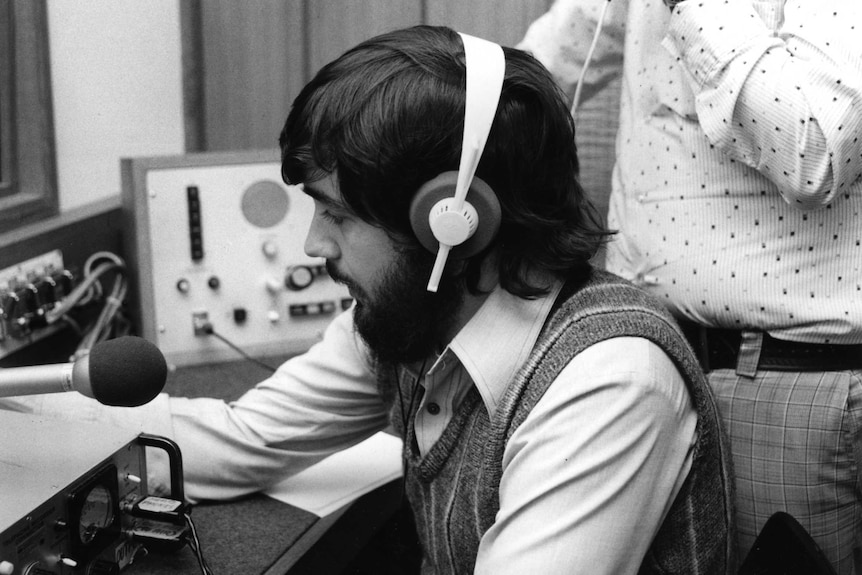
578	88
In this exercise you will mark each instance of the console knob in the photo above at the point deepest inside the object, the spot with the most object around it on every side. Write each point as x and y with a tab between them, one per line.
298	277
270	249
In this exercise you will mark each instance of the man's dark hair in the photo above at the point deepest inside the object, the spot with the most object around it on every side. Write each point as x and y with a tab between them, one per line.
388	115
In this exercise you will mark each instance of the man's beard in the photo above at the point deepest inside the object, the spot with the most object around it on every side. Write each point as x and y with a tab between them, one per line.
401	321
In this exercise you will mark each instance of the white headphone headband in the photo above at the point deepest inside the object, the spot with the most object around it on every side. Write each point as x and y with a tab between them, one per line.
486	68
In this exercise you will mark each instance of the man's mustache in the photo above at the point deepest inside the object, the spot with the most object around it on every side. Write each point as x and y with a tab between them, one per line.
336	275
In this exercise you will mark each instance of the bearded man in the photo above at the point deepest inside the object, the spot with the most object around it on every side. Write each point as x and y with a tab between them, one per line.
554	419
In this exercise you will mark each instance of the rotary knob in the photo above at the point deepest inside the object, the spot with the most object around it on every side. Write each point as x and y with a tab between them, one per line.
269	249
298	277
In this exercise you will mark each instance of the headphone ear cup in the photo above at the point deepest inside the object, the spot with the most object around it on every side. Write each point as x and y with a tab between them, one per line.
480	196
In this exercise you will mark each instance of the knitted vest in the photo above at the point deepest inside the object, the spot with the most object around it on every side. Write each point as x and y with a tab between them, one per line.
453	489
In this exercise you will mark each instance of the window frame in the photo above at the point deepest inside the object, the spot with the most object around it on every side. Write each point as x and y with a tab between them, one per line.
28	192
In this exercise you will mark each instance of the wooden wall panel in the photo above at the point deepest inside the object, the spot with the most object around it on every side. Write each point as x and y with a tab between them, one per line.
503	21
254	64
336	25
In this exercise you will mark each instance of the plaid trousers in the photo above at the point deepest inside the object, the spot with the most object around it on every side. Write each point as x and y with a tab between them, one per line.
796	440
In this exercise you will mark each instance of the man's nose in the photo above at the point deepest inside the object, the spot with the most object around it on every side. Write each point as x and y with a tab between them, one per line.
318	243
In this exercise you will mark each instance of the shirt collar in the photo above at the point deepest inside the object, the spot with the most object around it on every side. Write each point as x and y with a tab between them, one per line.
498	339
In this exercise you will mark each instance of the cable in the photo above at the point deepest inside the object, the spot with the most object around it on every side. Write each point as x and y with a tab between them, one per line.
195	545
578	88
210	330
81	294
111	321
102	328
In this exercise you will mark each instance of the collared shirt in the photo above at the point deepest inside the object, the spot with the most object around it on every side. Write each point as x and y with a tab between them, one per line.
587	478
737	191
511	325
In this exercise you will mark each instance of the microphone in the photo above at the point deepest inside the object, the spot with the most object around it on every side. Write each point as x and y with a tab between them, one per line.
126	372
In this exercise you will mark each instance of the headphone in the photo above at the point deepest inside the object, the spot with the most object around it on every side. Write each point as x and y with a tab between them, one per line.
441	216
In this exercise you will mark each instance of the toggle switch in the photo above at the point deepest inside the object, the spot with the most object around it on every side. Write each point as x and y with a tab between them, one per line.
273	285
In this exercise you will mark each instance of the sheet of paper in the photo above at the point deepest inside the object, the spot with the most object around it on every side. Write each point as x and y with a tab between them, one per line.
343	477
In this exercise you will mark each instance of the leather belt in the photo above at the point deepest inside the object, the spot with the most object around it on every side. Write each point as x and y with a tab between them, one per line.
719	349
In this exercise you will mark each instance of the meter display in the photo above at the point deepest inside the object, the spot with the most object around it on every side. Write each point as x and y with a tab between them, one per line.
97	513
94	513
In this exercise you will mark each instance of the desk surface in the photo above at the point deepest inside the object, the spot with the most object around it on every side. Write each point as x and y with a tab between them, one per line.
259	535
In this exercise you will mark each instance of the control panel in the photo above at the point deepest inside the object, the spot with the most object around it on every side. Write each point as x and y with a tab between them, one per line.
215	246
75	497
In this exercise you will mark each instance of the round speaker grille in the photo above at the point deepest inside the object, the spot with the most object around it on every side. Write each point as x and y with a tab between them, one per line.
265	203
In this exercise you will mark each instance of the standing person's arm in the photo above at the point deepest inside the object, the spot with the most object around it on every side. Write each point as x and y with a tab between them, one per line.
778	86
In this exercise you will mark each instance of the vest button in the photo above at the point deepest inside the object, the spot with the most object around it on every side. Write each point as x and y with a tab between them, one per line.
433	408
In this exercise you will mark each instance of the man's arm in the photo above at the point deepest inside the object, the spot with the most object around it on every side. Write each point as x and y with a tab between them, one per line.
779	87
315	404
591	473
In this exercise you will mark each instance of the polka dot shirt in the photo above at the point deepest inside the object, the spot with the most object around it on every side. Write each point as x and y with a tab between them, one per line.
737	189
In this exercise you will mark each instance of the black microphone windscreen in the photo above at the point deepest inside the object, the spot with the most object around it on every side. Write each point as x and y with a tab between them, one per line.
126	371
